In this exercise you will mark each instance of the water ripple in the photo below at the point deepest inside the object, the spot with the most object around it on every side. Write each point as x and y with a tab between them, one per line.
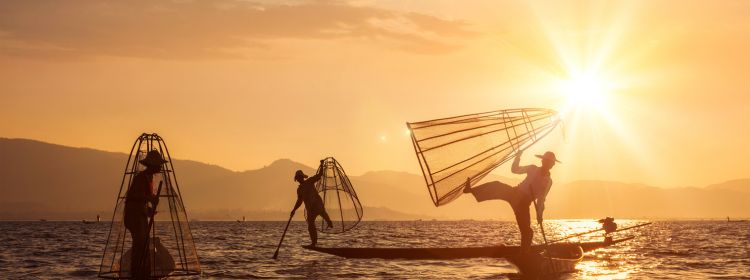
231	250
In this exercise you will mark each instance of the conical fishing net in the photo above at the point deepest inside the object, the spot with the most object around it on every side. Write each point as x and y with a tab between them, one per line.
470	146
171	251
339	198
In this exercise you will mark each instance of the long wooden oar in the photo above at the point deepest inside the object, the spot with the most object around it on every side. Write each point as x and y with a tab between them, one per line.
276	254
546	244
544	235
541	227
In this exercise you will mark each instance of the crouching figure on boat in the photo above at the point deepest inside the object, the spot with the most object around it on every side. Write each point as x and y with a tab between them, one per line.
534	187
314	206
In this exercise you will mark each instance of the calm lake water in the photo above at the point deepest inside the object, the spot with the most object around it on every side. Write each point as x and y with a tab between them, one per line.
664	250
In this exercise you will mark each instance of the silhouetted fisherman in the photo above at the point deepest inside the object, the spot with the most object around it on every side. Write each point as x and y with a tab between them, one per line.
137	210
535	186
307	193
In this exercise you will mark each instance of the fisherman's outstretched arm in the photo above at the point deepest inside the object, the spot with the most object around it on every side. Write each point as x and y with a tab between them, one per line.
317	176
515	168
296	205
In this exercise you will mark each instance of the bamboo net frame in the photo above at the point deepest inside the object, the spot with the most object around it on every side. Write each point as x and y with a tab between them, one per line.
170	224
339	199
450	150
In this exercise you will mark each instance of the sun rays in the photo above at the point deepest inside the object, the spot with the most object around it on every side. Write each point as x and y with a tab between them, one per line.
587	90
588	77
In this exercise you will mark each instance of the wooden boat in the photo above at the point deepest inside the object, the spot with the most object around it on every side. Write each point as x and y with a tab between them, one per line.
454	253
558	259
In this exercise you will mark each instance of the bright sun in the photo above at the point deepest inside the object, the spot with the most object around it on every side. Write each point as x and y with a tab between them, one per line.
586	90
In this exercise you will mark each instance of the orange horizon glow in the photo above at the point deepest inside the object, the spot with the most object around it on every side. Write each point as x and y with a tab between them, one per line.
650	92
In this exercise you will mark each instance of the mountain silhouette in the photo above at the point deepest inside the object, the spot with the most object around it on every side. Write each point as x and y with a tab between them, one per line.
42	180
739	185
584	199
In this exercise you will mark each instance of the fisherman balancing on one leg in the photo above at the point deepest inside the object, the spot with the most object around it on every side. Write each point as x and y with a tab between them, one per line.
535	186
307	193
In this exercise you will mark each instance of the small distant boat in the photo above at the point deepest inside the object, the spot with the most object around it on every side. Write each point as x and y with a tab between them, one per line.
735	221
42	220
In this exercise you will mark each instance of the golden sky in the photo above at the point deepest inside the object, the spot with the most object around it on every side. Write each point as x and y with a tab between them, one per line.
242	83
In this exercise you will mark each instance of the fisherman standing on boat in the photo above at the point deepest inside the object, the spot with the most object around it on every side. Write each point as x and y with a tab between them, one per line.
307	193
535	186
137	211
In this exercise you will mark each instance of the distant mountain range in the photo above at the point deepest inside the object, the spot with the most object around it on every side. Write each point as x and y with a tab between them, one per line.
47	181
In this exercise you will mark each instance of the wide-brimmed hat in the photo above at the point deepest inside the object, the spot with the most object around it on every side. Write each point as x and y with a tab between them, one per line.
153	158
549	155
299	175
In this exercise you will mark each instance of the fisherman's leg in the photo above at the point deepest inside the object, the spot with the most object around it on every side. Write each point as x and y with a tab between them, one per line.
492	190
135	245
324	214
523	218
311	228
145	255
138	233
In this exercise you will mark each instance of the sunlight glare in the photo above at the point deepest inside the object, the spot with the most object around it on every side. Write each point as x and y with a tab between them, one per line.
586	90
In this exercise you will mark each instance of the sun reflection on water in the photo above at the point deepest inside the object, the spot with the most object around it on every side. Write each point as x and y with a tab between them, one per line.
605	263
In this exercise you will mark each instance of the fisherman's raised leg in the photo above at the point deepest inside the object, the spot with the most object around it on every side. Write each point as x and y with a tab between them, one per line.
324	214
490	190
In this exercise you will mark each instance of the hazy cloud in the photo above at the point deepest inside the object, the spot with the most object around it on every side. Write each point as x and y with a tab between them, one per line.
208	29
